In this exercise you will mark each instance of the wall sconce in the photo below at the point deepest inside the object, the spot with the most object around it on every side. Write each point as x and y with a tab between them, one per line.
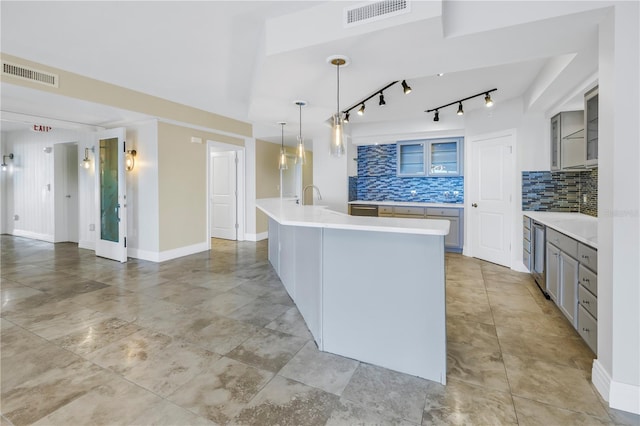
4	161
86	161
130	160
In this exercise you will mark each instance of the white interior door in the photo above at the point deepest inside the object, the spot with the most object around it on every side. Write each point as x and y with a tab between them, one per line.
223	184
111	188
490	196
65	178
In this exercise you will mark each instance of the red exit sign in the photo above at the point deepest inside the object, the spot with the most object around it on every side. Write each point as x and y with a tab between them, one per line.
41	128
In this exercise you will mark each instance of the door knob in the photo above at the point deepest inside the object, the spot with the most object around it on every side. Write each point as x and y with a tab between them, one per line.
474	205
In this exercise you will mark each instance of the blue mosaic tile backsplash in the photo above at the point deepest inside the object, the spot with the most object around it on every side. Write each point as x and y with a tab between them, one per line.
561	191
377	180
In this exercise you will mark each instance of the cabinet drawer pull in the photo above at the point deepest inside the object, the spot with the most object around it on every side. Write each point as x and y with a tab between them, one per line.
586	330
585	256
585	302
585	280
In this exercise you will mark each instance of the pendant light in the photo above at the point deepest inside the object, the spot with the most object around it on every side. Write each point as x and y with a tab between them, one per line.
282	164
337	128
301	157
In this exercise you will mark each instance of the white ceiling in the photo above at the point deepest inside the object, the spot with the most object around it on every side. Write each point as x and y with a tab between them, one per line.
251	59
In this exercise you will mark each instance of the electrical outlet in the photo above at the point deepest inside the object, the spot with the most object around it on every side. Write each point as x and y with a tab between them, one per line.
92	227
584	198
413	192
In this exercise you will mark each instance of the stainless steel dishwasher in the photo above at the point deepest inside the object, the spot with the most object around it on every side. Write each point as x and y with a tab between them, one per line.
538	251
363	210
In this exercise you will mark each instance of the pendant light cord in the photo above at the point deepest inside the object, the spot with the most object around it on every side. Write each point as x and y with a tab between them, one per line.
338	91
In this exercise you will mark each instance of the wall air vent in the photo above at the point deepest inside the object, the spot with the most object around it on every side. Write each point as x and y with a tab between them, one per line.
370	12
31	74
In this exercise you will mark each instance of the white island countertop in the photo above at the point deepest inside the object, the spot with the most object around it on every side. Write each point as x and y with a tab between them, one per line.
580	227
287	212
408	204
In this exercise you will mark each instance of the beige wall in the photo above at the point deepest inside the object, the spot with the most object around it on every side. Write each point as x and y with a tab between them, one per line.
268	176
182	184
80	87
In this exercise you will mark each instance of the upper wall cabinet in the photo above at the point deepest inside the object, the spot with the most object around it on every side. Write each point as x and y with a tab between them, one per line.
567	140
445	157
591	127
411	158
430	157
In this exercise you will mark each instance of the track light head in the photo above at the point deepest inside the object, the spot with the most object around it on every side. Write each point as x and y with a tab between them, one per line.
346	117
460	110
405	87
361	110
436	116
382	102
487	100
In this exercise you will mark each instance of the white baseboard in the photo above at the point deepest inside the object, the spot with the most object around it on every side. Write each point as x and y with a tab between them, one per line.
601	379
33	235
85	244
621	396
154	256
625	397
256	237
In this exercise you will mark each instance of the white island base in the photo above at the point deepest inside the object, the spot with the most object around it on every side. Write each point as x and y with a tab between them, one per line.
367	291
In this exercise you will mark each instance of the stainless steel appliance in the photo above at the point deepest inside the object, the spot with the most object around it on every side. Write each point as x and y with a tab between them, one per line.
363	210
538	251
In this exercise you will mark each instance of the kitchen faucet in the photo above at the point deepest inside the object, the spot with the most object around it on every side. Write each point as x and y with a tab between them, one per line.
304	191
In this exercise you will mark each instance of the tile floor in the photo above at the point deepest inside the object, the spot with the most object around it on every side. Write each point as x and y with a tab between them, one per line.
213	338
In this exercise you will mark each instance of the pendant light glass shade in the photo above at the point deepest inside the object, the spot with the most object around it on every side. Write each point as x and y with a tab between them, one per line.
337	127
301	157
337	136
282	164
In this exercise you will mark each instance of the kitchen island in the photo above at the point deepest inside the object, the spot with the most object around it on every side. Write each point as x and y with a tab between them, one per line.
368	288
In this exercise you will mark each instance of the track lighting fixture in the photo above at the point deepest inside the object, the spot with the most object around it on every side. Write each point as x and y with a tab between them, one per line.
282	163
381	102
301	157
4	161
487	101
337	128
405	87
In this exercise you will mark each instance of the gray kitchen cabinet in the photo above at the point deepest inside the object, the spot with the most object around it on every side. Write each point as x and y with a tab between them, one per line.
430	157
385	211
411	158
572	282
553	272
408	212
591	127
567	140
569	287
526	240
445	157
453	241
588	296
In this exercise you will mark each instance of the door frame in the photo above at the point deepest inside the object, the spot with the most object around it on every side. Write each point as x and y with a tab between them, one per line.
214	146
515	193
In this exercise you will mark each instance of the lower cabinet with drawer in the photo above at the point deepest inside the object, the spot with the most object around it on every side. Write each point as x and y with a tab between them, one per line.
572	283
453	242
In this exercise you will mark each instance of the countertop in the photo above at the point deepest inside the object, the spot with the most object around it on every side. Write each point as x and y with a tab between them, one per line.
408	204
580	227
287	212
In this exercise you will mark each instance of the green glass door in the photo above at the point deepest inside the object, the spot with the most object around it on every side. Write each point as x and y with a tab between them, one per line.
109	206
111	195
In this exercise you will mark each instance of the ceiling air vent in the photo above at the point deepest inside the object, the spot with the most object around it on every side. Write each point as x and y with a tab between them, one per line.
374	11
31	74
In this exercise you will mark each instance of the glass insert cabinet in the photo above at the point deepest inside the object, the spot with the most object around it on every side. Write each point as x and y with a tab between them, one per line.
430	157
